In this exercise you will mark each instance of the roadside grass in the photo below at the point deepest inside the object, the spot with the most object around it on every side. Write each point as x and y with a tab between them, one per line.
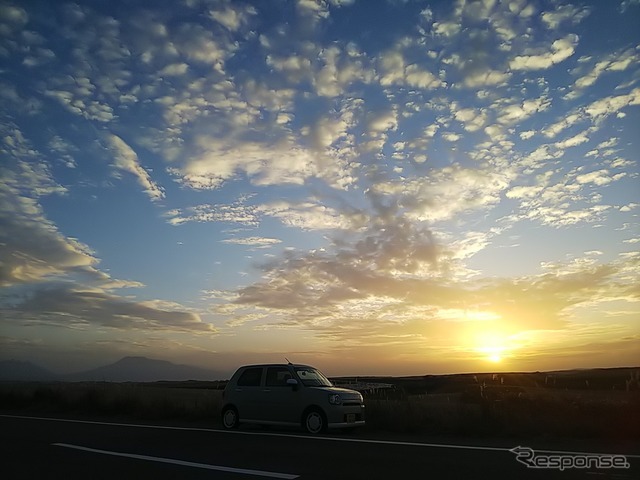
470	411
148	401
530	413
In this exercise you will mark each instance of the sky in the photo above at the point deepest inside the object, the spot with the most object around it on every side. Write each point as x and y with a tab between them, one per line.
371	187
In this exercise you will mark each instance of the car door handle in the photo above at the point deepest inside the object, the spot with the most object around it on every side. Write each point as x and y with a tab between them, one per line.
266	390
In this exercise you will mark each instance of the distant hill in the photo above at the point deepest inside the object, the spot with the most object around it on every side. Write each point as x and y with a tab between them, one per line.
127	369
15	370
142	369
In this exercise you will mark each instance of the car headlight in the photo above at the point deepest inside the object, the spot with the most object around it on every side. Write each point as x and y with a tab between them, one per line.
334	399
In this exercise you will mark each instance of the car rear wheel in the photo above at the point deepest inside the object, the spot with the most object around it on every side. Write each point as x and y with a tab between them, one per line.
230	418
314	421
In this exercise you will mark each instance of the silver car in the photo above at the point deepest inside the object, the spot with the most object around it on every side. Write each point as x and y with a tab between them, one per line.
287	394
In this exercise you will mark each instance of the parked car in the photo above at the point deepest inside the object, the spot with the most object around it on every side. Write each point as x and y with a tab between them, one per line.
287	394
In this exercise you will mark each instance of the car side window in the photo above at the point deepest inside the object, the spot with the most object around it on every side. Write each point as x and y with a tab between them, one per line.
278	376
250	377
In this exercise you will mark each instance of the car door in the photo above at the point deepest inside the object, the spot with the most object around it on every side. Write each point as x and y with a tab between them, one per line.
247	393
279	398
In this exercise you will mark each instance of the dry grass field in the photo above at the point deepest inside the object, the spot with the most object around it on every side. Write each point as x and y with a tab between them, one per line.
599	404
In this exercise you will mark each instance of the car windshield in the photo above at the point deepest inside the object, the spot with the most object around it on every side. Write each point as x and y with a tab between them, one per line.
310	377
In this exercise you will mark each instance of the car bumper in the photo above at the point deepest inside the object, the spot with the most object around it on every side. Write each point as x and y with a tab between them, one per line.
346	425
346	416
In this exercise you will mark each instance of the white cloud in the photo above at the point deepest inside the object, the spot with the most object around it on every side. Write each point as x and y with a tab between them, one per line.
264	164
253	241
174	70
447	192
314	216
446	29
392	67
512	113
560	50
599	177
578	139
316	9
419	78
472	119
33	248
451	137
485	78
233	16
526	135
126	159
383	121
602	108
394	71
563	13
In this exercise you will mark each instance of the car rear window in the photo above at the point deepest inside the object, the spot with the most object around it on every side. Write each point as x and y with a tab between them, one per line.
250	377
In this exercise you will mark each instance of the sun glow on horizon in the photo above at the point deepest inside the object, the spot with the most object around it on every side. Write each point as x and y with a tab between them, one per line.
492	347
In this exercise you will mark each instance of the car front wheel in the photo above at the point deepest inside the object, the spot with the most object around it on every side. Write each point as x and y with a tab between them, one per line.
230	418
314	421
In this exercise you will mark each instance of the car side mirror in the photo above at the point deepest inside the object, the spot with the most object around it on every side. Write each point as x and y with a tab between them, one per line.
292	382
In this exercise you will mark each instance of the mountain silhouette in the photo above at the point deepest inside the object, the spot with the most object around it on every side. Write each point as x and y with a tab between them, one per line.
127	369
16	370
142	369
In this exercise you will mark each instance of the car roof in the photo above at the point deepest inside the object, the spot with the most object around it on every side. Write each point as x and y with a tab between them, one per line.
277	365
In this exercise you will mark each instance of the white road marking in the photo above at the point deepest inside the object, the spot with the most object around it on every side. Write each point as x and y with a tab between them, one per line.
307	437
245	471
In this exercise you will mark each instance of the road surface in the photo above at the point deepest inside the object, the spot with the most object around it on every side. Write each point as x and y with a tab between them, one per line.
37	447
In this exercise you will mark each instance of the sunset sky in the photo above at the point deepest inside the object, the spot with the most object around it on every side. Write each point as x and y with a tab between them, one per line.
371	187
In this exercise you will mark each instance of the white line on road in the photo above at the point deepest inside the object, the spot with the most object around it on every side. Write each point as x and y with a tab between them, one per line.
183	463
332	439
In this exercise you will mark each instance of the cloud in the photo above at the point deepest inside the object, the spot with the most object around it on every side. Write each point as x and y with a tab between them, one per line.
564	13
33	248
234	213
511	113
12	18
560	50
576	140
315	216
316	9
174	70
233	17
472	119
126	159
393	282
604	107
253	241
278	164
76	307
393	70
599	177
337	70
485	78
615	62
305	215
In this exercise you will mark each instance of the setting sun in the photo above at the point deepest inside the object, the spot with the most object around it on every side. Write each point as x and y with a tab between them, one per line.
492	346
495	358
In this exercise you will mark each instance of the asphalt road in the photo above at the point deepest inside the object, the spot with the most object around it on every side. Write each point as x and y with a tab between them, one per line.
34	448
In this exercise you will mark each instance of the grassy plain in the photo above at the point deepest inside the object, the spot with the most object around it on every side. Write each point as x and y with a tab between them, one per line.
601	404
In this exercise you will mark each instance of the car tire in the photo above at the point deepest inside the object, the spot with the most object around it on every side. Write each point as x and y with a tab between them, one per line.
314	421
230	418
